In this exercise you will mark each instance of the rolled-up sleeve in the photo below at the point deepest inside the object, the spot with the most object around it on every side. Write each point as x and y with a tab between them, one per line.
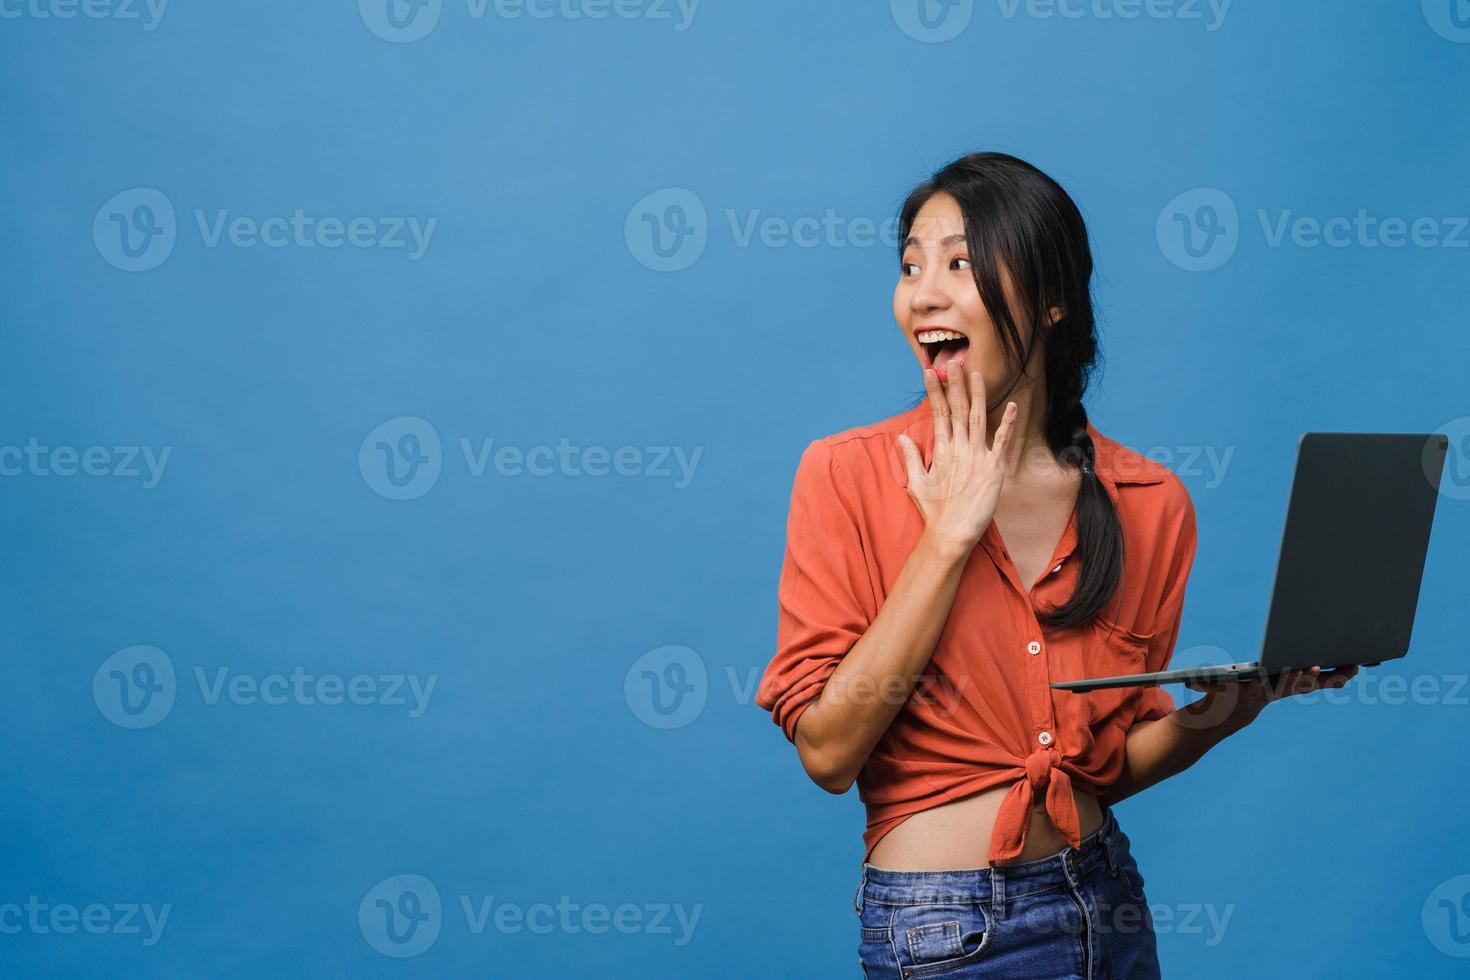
1156	701
825	596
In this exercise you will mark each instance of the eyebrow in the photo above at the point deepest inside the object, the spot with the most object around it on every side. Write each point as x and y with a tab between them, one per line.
947	240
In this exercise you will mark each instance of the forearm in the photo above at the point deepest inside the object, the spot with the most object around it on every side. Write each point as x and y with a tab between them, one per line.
859	701
1164	747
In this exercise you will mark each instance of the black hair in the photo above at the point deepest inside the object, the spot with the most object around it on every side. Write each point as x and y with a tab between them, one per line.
1021	222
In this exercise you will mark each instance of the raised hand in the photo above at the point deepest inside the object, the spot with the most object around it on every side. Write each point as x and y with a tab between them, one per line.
958	492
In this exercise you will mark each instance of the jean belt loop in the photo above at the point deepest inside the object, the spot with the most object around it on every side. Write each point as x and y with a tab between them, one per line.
1110	847
857	898
997	893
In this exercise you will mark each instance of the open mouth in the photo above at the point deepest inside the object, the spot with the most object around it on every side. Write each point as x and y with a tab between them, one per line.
944	350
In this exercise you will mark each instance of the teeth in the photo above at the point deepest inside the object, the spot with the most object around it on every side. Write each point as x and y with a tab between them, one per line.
935	336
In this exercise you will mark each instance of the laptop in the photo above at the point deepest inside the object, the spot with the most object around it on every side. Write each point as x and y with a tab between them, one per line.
1352	559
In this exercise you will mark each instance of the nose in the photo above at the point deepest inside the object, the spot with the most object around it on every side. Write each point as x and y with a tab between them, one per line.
928	295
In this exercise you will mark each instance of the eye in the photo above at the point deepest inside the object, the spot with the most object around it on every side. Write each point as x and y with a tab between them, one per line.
904	268
959	262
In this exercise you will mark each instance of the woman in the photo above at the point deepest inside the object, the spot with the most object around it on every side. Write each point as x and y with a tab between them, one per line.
945	565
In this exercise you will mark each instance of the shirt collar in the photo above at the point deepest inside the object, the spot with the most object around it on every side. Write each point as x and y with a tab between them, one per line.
1117	465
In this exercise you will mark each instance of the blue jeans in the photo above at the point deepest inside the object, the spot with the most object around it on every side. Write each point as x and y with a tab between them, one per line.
1079	913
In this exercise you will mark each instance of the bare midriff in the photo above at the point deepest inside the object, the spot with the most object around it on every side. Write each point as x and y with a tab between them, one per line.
957	835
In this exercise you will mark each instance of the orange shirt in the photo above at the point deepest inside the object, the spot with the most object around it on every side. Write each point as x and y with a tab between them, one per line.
983	714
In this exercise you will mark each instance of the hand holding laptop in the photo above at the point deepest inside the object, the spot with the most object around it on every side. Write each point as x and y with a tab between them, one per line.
1237	703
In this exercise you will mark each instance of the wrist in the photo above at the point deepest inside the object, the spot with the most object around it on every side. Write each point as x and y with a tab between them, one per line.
946	547
1216	715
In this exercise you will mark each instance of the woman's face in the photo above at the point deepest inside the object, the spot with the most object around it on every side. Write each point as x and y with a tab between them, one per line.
936	299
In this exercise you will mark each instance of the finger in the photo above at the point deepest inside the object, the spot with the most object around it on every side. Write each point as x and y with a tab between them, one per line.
959	410
1303	681
1285	684
939	408
977	413
1336	678
912	462
1003	431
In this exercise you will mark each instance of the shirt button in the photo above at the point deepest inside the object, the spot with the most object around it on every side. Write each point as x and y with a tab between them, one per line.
1033	648
1044	738
1057	569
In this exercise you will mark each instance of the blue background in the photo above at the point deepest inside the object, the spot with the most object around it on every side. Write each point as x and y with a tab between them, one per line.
531	319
